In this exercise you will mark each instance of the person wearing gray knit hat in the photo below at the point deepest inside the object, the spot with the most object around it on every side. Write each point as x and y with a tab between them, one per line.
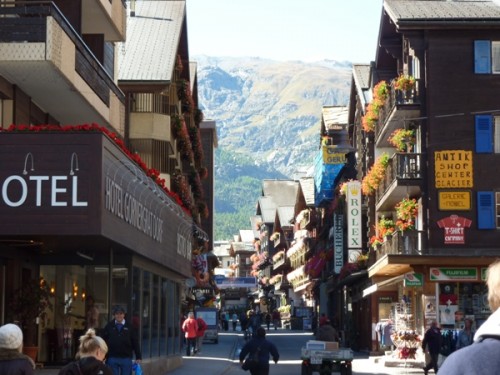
12	361
11	337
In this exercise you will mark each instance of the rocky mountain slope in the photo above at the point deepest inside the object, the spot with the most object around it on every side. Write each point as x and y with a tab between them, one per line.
268	116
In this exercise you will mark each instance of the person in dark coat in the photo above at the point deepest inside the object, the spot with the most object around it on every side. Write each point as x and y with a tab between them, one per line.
265	349
432	344
12	360
122	342
90	357
481	357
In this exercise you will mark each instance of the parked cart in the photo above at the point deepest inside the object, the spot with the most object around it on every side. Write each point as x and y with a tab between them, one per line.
327	361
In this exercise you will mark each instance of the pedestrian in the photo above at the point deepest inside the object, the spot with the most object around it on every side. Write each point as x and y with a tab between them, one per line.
92	314
89	358
268	320
276	319
432	344
264	349
123	343
235	320
466	335
243	322
326	332
482	356
254	322
200	333
190	329
12	360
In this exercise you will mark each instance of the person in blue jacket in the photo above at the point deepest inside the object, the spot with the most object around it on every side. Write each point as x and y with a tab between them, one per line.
482	356
265	349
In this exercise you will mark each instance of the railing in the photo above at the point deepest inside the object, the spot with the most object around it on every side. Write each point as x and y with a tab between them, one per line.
396	98
150	103
402	166
403	243
27	22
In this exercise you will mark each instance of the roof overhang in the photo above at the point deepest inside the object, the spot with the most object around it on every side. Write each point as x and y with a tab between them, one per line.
392	265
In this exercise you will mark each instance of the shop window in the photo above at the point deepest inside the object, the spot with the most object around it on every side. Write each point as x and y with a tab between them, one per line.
146	314
155	311
163	317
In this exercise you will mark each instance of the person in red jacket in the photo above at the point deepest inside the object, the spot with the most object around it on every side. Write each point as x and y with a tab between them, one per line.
202	327
190	329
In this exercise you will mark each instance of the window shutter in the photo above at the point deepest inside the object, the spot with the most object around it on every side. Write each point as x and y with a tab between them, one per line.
484	134
482	57
485	210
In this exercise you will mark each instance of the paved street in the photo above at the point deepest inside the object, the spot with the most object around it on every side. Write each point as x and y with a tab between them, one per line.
222	358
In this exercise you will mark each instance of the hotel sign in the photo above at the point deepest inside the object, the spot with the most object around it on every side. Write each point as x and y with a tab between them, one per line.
331	155
354	235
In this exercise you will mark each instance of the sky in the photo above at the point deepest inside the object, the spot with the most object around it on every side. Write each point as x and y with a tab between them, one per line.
284	30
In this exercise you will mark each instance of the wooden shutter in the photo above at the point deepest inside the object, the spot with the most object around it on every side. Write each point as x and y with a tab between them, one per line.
482	57
485	210
484	134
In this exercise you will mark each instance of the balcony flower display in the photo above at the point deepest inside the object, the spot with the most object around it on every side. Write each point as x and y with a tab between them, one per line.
406	213
376	241
370	118
404	83
385	227
375	175
276	279
402	139
274	236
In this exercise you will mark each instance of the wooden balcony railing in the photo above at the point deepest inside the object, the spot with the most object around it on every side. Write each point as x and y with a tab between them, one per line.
399	99
403	243
402	166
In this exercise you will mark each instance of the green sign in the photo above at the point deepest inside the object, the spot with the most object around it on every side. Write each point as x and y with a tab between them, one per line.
484	271
413	280
453	274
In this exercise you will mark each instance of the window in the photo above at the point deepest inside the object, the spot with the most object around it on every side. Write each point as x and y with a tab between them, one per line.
497	210
486	207
484	133
486	57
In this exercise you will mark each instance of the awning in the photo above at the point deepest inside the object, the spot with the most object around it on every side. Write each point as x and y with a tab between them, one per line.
351	279
377	286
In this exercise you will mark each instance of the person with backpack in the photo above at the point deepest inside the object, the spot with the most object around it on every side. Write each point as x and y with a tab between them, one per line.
89	358
261	349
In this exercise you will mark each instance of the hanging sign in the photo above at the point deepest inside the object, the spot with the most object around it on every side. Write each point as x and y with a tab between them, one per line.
413	280
353	196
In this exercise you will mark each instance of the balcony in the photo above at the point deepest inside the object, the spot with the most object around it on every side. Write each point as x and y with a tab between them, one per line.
398	107
403	177
107	17
41	53
406	243
279	260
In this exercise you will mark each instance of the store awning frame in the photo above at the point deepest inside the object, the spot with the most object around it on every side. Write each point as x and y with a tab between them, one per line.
384	283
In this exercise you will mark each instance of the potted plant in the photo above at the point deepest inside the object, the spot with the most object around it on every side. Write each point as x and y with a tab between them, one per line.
380	93
404	83
402	139
406	212
28	304
375	175
385	227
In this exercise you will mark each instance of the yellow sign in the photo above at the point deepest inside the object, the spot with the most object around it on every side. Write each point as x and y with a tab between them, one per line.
331	155
453	169
454	200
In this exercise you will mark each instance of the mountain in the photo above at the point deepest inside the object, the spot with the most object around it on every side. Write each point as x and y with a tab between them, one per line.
268	117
